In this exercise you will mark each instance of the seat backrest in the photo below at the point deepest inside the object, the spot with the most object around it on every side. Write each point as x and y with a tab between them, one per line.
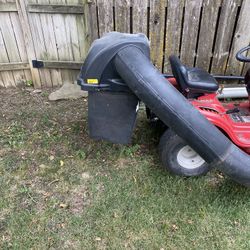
178	70
247	81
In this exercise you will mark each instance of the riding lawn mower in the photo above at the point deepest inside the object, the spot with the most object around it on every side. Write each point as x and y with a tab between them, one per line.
201	131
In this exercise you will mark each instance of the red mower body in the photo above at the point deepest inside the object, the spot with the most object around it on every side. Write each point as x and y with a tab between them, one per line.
234	124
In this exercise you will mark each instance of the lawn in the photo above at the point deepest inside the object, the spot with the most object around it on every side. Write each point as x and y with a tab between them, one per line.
62	190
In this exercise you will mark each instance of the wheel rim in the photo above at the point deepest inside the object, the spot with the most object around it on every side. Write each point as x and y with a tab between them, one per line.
188	158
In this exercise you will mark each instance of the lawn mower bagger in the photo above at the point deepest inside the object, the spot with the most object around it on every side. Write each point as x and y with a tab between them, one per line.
202	132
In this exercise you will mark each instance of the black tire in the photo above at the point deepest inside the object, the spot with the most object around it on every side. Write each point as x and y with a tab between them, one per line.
171	147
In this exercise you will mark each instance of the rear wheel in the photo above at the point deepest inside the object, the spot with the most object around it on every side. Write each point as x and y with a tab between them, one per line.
179	158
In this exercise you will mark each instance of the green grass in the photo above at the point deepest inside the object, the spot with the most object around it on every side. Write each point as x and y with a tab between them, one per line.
61	190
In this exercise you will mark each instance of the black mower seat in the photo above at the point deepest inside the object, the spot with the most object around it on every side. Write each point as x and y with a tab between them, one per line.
194	80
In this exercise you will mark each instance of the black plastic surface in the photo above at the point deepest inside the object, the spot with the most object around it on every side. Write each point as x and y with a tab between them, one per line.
112	116
193	80
37	64
98	64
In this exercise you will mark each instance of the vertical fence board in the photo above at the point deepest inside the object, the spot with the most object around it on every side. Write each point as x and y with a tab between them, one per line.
90	11
7	77
207	31
139	16
77	35
10	41
12	49
72	42
1	82
156	33
173	30
50	43
62	47
50	46
241	39
190	31
105	16
224	35
3	58
26	29
82	34
2	85
44	52
62	40
11	46
122	15
39	41
40	49
20	42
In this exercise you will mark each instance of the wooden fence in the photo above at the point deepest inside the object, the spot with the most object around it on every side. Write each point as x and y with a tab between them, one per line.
49	30
204	33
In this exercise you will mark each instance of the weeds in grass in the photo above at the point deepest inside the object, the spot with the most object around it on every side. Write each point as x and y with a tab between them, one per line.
29	83
14	135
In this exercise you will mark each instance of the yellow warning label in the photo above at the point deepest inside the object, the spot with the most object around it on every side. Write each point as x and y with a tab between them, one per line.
92	81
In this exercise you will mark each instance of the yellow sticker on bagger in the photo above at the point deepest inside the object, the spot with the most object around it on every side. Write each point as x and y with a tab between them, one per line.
92	81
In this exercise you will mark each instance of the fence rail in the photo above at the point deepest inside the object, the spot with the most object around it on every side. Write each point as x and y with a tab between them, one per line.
203	33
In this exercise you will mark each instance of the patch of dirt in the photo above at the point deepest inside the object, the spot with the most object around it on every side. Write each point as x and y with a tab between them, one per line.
71	244
86	176
79	198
